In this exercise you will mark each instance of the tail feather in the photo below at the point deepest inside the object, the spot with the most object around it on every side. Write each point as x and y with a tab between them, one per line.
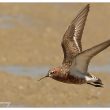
97	83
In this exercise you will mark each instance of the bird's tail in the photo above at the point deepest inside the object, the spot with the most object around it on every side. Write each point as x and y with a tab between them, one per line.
95	81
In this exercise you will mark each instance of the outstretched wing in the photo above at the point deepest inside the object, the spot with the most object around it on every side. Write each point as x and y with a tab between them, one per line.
71	42
81	61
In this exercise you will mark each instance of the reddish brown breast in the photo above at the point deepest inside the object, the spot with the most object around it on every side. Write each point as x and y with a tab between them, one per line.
70	79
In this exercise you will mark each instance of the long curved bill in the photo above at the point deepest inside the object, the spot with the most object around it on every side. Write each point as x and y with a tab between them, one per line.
43	77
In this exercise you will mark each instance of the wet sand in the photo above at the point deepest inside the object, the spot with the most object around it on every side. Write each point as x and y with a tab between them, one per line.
30	35
28	92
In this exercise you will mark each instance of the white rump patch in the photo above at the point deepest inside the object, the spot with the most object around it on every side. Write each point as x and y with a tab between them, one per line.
89	79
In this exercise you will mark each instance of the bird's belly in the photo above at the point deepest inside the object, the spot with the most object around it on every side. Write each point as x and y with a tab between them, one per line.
71	79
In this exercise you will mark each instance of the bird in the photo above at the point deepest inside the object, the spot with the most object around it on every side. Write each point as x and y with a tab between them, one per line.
74	68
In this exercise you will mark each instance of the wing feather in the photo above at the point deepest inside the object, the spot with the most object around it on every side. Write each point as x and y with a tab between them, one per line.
71	42
82	60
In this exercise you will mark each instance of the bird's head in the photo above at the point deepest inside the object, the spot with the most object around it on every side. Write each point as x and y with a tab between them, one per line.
54	72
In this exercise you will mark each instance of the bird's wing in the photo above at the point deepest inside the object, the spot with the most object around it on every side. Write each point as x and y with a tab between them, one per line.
81	61
71	42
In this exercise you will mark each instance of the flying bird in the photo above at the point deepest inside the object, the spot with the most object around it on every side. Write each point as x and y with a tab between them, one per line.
74	68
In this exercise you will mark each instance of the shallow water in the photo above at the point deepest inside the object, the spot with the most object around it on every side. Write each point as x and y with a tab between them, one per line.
22	70
40	71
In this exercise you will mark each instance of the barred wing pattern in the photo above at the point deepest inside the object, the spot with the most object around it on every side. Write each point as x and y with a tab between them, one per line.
71	42
82	60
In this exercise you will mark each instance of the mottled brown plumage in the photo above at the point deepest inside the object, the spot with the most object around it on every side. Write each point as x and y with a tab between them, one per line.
71	42
75	63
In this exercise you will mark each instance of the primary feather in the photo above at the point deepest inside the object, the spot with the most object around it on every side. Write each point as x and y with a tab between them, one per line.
71	42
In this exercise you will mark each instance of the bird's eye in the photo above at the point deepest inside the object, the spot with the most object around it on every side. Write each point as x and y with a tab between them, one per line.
52	72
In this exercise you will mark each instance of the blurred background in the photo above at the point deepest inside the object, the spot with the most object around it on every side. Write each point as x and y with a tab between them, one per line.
31	34
30	43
